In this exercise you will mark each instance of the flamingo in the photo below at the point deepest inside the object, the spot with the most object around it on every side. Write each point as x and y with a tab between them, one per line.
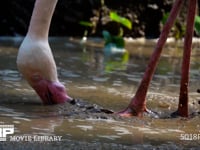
36	63
137	106
35	60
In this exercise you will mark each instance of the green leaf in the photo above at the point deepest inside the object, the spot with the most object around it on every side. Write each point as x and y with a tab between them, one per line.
107	37
124	21
165	17
197	24
86	23
119	41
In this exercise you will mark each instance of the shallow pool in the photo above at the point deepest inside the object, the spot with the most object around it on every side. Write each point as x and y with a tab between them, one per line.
106	81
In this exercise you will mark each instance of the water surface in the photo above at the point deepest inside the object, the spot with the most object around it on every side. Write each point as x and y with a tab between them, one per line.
106	81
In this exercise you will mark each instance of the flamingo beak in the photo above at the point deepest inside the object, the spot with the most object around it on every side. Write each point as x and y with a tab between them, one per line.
51	92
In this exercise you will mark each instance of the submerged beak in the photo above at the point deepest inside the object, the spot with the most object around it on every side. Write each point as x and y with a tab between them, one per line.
51	92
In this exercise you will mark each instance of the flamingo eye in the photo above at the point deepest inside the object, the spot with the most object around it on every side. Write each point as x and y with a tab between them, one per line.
36	77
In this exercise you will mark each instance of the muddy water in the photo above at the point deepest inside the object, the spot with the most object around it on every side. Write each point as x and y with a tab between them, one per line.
108	82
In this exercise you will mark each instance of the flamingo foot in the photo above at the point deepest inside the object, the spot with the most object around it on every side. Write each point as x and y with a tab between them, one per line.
128	112
179	113
176	114
133	111
183	111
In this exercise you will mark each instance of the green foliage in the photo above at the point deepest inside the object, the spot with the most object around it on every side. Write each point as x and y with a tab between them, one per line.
86	23
122	20
117	40
197	24
178	29
165	17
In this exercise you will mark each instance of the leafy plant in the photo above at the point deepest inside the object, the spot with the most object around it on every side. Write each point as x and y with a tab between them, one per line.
165	17
86	23
108	37
178	29
122	20
118	40
113	17
197	24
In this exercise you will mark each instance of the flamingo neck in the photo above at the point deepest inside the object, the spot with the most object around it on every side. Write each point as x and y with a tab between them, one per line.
41	19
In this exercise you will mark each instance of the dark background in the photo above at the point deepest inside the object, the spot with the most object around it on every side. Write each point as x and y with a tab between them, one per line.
145	15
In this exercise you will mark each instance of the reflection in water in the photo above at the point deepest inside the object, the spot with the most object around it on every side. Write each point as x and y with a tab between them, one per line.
106	81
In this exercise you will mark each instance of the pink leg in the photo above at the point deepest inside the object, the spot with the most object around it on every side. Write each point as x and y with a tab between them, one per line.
138	103
183	98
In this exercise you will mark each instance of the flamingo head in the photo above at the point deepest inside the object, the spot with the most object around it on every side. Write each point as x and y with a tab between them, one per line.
50	92
36	63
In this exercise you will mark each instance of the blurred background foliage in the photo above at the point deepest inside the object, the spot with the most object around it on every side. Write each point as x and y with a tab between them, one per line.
146	17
